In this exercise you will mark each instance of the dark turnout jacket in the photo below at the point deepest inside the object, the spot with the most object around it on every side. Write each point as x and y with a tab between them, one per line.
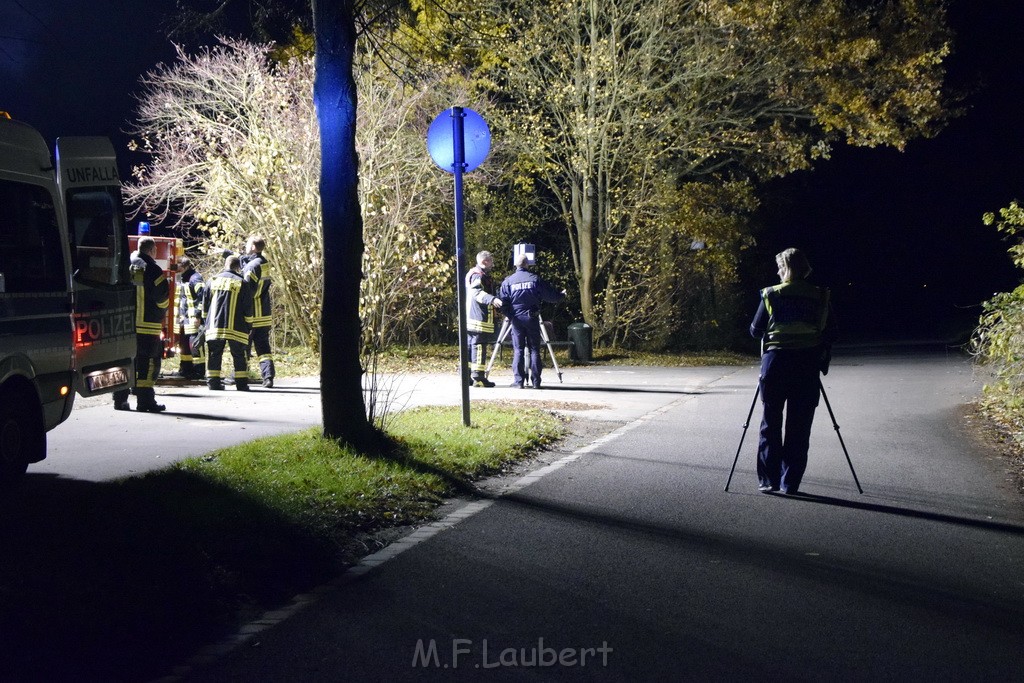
479	295
229	304
256	270
152	294
190	301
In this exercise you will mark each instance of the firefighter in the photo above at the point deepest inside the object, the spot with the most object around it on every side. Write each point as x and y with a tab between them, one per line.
481	305
228	304
522	293
256	269
152	293
795	323
190	321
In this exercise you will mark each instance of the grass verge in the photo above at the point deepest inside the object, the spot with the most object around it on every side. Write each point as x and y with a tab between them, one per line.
445	358
122	580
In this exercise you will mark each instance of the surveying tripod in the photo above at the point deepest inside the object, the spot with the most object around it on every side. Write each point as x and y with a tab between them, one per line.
506	329
835	425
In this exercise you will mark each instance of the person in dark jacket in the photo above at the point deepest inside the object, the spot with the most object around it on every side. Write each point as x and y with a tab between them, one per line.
228	320
795	323
481	305
256	269
192	287
521	294
152	294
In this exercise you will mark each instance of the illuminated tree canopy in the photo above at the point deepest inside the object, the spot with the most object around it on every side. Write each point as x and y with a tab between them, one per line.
620	106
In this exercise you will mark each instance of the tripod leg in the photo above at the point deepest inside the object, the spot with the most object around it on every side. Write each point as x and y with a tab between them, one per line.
746	424
841	443
547	340
506	327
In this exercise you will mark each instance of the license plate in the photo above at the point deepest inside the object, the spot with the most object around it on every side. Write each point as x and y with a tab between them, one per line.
113	377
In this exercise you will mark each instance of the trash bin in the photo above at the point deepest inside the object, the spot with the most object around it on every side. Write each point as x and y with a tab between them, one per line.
582	337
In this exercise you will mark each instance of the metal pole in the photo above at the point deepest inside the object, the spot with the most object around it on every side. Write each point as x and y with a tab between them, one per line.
506	327
841	443
459	142
744	435
547	340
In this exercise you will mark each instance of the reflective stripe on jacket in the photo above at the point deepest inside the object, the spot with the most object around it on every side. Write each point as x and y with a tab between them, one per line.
190	303
151	294
479	295
256	270
229	308
797	315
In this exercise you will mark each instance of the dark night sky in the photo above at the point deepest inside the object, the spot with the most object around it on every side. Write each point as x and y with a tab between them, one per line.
69	67
898	237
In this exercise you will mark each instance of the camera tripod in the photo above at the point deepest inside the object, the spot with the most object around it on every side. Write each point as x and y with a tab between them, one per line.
506	329
835	425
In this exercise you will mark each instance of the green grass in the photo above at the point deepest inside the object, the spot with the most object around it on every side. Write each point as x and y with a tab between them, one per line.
296	361
682	359
327	488
123	580
434	358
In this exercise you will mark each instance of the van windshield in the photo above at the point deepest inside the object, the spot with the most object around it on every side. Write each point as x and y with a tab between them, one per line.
99	242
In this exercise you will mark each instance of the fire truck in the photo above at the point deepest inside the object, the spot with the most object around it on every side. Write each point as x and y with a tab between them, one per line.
67	302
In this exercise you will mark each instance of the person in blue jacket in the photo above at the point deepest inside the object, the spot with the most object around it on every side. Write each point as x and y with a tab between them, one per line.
522	293
795	323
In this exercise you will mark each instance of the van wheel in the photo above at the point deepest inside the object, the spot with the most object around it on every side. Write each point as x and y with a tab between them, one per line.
22	437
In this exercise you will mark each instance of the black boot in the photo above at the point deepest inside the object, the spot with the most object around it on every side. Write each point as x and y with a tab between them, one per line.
147	401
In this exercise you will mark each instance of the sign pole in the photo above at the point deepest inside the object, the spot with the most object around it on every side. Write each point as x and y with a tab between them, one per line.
458	141
458	137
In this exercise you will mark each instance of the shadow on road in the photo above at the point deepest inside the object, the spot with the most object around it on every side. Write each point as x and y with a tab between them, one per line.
203	416
620	390
1001	527
118	581
918	591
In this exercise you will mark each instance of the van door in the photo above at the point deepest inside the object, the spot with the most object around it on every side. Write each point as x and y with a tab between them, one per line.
103	294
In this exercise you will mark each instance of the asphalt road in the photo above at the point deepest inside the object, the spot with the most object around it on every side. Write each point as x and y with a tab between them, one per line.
626	560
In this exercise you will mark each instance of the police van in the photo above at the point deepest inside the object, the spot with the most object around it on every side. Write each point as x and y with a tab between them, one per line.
67	303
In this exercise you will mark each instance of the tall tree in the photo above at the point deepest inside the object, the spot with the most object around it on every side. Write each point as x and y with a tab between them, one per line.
620	103
334	95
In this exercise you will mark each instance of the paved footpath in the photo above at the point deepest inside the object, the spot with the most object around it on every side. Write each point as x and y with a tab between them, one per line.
98	443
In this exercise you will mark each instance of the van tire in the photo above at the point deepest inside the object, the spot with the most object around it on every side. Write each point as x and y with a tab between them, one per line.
22	435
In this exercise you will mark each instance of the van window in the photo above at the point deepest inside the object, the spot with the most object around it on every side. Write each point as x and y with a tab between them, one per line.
98	237
31	253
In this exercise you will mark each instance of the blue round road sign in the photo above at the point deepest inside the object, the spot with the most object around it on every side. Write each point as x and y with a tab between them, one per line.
441	140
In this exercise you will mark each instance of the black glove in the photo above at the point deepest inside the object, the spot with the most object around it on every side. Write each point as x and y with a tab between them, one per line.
826	358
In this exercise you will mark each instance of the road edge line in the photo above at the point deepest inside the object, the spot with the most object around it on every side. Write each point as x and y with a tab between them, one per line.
248	632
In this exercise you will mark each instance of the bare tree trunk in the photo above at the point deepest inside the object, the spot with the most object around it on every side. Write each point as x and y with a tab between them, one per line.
334	93
583	217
